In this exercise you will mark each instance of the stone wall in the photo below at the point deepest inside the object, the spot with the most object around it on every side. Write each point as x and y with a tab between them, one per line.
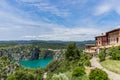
113	38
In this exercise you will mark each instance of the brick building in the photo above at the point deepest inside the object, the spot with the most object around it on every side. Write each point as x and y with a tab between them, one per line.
113	37
101	40
109	39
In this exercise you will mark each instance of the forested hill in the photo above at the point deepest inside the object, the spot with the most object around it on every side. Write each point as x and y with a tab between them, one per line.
45	44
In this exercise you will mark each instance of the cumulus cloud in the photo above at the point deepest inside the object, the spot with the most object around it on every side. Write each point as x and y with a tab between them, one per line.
16	23
70	34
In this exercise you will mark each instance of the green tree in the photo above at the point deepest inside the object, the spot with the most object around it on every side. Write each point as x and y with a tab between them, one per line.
72	52
98	74
21	75
115	53
102	55
78	71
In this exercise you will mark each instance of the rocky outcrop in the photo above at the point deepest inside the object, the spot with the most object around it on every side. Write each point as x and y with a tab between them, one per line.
35	54
48	54
1	53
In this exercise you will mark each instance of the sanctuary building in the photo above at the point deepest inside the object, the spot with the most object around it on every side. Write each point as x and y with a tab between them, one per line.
109	39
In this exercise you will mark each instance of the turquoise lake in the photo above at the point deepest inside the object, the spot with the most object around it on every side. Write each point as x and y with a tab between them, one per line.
42	63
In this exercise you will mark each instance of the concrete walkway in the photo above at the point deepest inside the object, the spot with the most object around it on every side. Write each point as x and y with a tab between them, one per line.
111	75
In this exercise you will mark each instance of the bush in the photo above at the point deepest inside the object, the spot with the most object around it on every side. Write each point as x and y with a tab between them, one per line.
111	50
60	76
115	53
84	60
89	56
98	74
78	71
21	75
52	66
102	55
87	63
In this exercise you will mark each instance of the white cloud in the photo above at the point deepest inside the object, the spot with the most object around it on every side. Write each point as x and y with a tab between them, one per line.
12	16
78	3
42	30
18	26
23	28
106	6
71	34
102	9
46	6
117	27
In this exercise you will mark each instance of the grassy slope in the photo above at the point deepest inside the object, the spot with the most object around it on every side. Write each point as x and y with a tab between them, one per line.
112	65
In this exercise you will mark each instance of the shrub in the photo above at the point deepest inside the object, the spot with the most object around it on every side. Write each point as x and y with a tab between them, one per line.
102	55
84	60
111	50
60	76
98	74
87	63
89	56
53	66
116	55
78	71
21	75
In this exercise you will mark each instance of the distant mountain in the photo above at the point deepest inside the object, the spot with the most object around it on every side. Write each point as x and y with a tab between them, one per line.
46	44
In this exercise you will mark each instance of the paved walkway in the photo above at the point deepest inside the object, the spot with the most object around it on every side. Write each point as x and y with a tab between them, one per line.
96	64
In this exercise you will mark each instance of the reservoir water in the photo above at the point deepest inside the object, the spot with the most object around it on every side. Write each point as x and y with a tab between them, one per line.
42	63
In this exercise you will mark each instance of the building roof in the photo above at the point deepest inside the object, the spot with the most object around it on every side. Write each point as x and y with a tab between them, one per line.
113	30
102	35
89	44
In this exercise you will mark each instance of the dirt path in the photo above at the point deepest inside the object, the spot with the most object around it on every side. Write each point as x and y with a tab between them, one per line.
96	64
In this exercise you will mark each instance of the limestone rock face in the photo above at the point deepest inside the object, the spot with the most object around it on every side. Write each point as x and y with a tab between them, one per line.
48	54
35	54
1	53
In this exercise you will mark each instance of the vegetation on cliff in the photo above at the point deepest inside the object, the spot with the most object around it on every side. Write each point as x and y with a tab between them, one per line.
70	64
71	67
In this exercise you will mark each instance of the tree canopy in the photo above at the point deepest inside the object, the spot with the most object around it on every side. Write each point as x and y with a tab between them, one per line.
72	52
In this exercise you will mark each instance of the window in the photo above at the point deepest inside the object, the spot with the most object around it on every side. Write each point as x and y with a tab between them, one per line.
117	40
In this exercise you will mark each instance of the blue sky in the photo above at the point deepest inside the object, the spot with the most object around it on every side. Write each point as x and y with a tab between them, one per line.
67	20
